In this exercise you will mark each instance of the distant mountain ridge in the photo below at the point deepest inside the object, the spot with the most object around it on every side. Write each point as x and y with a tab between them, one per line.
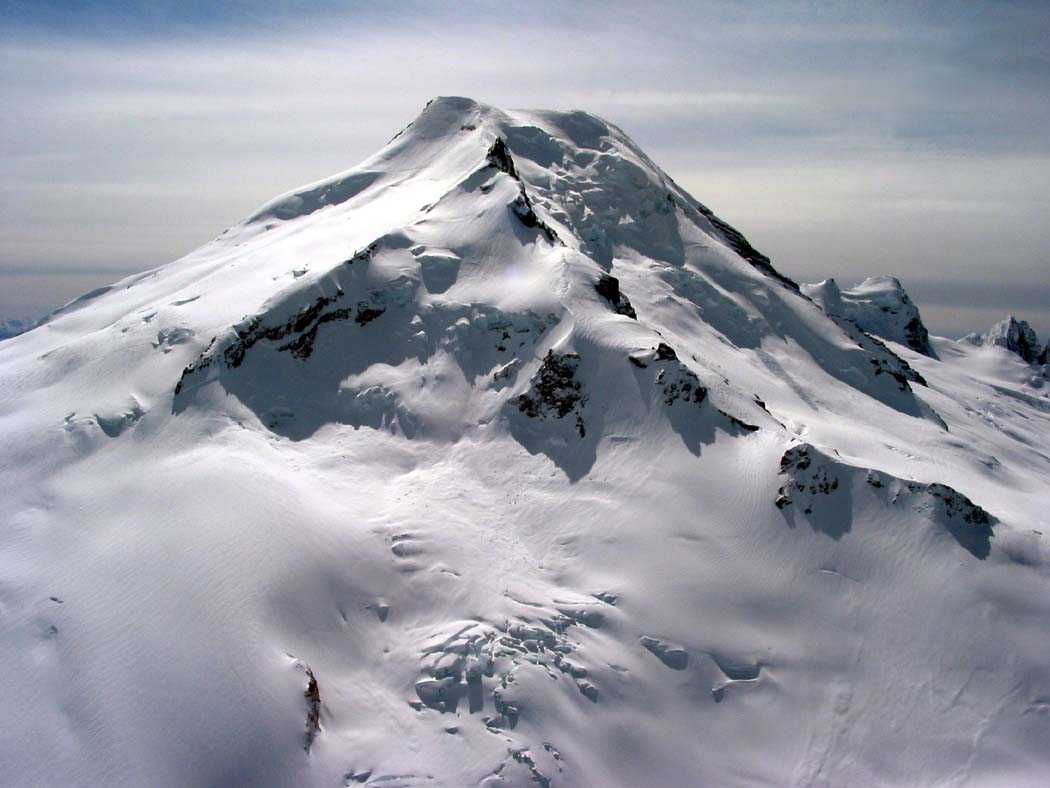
12	327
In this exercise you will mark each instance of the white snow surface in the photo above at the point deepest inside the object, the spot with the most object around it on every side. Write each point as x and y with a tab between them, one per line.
879	305
430	510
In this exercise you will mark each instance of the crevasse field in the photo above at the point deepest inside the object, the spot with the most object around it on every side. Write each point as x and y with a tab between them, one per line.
500	460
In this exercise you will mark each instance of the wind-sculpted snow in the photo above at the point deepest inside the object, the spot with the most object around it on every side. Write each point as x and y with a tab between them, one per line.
499	460
302	203
822	489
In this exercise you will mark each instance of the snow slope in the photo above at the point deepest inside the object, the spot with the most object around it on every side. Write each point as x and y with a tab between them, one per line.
499	460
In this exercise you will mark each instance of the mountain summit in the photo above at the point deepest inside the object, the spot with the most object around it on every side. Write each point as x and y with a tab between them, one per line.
1017	337
879	306
500	460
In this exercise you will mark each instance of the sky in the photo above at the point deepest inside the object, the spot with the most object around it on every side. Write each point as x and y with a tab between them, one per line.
843	139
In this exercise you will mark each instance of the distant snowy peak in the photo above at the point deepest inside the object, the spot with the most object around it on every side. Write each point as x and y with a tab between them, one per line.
1017	337
878	305
12	327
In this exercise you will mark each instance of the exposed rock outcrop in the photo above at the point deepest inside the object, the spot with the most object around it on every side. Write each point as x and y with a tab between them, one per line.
555	390
499	158
608	287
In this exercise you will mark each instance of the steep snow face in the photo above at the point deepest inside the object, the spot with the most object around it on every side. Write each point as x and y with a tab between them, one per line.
1016	336
879	306
500	460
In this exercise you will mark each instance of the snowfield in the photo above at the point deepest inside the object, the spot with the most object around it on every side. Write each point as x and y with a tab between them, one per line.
499	460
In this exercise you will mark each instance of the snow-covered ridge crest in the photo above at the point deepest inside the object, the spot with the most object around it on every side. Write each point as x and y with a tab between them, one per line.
878	305
500	460
556	143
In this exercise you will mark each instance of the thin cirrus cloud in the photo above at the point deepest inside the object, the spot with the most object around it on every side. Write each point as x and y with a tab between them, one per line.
896	138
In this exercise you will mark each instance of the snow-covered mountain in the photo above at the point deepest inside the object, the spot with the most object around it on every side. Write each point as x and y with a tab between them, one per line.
1014	335
12	327
500	460
879	306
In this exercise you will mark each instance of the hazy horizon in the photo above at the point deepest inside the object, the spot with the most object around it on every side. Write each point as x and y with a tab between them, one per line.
843	143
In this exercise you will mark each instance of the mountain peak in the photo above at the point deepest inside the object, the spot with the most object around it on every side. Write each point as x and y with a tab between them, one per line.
563	196
878	305
1016	336
455	104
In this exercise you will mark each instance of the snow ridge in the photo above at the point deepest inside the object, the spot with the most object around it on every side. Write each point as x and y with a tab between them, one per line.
878	305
